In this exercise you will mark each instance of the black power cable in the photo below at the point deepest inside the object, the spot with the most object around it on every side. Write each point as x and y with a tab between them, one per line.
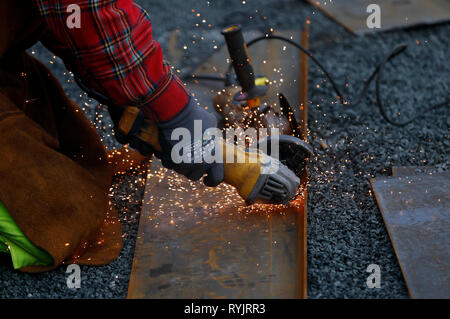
377	72
380	68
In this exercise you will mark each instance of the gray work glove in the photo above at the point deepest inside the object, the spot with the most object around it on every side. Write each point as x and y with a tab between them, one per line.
191	151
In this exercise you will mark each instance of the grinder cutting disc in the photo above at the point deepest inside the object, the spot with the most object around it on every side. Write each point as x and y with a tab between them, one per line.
293	152
280	186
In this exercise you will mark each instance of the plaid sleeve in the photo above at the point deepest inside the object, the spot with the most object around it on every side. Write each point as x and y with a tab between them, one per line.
112	49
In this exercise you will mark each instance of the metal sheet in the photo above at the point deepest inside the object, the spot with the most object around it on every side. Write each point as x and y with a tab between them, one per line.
199	242
416	212
303	122
352	14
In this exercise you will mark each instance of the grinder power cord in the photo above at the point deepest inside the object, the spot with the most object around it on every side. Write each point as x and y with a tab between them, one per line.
344	101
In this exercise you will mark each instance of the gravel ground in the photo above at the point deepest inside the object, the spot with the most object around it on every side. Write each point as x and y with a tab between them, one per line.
345	229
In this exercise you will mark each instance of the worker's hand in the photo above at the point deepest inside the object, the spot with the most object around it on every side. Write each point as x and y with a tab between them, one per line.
185	153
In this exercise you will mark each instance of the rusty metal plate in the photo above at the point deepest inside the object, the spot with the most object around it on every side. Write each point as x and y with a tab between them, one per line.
199	242
416	212
352	14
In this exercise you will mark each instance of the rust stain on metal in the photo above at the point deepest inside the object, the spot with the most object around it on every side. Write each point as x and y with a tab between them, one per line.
212	261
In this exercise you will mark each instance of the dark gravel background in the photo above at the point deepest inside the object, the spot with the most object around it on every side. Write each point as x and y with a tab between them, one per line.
345	229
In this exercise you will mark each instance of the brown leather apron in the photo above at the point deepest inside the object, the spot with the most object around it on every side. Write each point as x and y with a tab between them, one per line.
54	173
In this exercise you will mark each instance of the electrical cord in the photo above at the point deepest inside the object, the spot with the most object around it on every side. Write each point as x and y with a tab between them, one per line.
376	73
380	68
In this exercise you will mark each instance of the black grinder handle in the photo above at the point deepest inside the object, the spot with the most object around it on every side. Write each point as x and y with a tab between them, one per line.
239	57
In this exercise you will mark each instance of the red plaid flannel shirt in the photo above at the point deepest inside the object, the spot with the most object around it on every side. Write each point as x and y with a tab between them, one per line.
113	51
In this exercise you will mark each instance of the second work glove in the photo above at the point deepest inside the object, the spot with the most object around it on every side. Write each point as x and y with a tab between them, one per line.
185	145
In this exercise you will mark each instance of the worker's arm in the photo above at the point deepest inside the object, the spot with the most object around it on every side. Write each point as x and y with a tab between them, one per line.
113	52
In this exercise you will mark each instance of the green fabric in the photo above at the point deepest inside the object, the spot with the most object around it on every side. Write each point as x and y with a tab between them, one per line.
13	241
